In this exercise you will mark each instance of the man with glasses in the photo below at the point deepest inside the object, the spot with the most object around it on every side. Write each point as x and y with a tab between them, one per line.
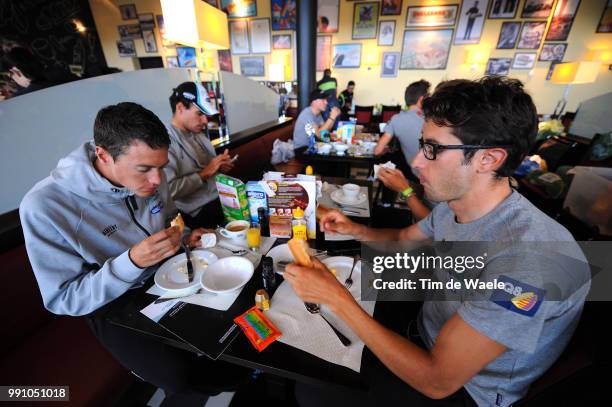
462	352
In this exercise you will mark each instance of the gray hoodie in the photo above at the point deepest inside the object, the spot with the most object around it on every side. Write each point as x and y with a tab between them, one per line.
78	228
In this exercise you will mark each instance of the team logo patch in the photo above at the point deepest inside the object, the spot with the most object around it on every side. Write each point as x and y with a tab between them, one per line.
518	297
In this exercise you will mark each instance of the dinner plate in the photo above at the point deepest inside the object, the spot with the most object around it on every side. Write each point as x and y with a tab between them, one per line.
227	275
172	275
280	253
342	265
339	197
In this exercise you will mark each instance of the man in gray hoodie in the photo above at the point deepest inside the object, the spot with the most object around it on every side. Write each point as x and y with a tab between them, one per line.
98	226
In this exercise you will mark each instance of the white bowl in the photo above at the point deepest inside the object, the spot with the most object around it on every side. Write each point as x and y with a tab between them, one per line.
350	191
324	148
227	274
340	147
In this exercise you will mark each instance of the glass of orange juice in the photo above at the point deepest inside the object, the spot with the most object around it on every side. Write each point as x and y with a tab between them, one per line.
254	236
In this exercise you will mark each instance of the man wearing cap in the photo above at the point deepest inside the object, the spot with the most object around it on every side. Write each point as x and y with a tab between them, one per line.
193	161
310	123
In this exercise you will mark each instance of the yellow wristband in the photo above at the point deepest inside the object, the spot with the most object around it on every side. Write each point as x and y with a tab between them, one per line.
407	192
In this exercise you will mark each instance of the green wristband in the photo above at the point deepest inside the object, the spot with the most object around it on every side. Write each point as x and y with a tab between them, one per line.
407	192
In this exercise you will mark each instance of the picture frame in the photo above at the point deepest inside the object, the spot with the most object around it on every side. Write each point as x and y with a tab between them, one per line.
391	8
431	16
508	34
605	22
532	34
524	60
260	35
426	49
498	66
284	14
324	49
562	21
239	37
471	21
328	12
252	66
503	9
149	41
239	8
537	8
129	31
365	20
386	32
552	51
346	55
390	64
281	41
128	12
126	48
146	21
212	3
172	62
225	60
160	25
186	57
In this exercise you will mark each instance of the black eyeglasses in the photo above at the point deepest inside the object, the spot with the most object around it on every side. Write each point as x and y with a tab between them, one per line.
430	150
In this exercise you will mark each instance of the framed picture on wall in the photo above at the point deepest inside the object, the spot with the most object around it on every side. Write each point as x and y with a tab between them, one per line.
239	37
281	41
259	30
186	57
239	8
391	8
605	22
225	60
508	34
390	64
537	8
562	20
386	32
365	20
148	38
128	12
431	16
252	66
129	31
324	48
284	14
347	56
172	62
146	21
531	35
498	66
327	16
426	49
524	60
471	21
552	52
212	2
503	9
126	48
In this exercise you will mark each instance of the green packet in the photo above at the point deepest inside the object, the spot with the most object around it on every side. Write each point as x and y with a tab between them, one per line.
233	197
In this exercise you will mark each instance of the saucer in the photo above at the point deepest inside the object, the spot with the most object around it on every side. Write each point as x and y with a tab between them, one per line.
339	197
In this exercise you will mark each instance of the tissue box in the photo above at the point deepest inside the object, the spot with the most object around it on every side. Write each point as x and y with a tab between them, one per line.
232	194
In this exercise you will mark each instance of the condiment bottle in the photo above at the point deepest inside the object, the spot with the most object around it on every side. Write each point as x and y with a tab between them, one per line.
309	170
298	224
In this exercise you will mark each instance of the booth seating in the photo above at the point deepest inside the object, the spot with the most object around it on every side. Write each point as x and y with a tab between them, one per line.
389	111
40	348
364	114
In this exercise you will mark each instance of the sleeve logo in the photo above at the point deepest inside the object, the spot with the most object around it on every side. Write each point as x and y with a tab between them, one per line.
518	297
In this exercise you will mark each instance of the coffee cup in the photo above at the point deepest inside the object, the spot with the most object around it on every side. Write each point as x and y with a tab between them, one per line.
350	191
235	230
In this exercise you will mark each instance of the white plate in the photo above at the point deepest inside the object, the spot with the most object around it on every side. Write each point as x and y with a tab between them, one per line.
227	274
172	275
280	253
338	196
342	265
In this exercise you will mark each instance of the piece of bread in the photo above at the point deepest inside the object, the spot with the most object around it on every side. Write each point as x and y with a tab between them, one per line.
321	211
178	221
299	249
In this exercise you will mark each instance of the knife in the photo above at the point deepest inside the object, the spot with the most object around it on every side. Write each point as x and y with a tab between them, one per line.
189	265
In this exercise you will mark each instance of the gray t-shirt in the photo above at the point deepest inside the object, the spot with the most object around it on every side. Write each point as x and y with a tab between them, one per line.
535	334
305	125
406	127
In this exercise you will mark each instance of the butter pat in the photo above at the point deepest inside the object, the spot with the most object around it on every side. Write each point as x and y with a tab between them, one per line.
208	240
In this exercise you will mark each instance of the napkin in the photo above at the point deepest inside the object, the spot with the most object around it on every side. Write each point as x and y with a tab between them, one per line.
388	164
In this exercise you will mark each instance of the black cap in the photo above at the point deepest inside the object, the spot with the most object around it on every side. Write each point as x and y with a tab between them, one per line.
317	94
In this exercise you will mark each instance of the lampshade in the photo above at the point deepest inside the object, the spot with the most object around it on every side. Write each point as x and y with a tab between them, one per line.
195	23
276	72
603	56
575	72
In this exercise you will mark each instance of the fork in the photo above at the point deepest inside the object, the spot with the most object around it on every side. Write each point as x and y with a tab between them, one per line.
349	281
315	309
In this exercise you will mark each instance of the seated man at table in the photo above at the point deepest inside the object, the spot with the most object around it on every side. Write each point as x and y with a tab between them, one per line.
98	226
310	124
346	100
485	352
193	162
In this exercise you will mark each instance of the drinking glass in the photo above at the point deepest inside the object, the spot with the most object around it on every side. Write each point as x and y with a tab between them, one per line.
254	236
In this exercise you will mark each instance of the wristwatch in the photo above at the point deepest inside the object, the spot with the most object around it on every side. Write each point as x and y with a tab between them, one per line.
408	192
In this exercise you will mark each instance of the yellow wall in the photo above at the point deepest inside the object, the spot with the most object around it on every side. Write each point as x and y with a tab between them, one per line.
371	88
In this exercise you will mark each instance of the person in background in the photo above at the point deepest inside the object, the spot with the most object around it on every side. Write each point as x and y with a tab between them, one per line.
98	227
329	86
346	99
310	124
26	71
283	101
193	162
